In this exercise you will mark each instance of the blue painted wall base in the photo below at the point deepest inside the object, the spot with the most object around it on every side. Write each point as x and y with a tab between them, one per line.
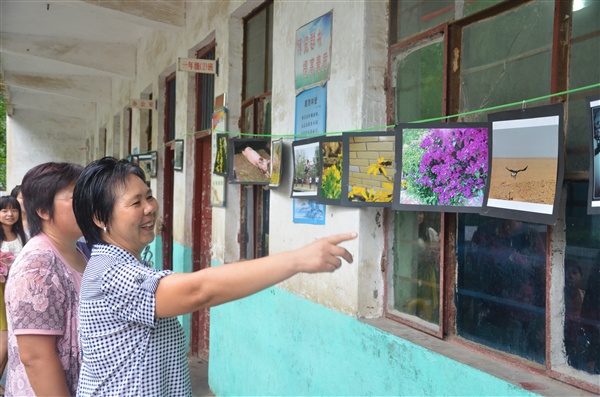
276	343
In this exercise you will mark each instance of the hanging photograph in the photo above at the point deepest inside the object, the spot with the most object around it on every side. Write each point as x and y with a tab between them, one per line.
147	163
220	163
368	169
330	185
526	164
307	167
218	185
441	166
249	161
276	155
178	160
594	184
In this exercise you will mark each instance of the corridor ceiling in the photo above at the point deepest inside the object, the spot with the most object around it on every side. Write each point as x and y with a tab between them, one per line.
62	57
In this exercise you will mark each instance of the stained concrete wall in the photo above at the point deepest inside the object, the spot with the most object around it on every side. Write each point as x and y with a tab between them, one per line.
32	139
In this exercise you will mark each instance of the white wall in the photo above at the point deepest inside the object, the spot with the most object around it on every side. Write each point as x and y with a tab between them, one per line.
356	99
32	140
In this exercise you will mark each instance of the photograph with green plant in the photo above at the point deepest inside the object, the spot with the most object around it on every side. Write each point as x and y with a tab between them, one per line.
330	188
443	164
220	167
369	168
276	153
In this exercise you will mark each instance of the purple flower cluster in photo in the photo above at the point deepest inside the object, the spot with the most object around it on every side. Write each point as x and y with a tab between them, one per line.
455	164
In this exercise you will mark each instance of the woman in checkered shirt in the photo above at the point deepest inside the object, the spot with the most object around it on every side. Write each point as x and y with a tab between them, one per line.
132	343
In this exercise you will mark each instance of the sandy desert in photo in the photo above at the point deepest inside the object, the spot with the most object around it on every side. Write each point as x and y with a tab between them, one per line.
537	184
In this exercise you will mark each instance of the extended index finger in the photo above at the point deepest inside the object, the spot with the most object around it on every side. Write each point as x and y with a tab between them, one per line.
340	238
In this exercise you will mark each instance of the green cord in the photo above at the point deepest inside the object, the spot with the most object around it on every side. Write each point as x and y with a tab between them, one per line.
387	127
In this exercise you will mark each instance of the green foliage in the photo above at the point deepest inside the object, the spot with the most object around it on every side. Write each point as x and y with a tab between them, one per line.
332	181
411	160
2	144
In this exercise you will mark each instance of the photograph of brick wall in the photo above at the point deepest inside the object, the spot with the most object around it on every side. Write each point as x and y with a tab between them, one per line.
370	166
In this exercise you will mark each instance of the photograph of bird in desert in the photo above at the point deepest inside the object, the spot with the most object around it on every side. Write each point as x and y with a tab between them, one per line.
525	164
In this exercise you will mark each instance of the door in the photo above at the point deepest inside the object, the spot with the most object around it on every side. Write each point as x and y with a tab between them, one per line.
202	236
202	210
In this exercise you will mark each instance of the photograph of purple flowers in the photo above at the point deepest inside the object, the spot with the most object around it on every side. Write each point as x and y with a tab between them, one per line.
368	170
526	158
442	166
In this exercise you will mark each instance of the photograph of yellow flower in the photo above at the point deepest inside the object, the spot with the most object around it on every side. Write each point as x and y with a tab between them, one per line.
220	166
369	168
330	186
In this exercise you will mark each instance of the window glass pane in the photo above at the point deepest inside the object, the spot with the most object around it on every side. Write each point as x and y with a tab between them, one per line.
501	291
507	58
420	83
416	274
582	282
584	71
474	6
171	87
418	16
269	66
255	55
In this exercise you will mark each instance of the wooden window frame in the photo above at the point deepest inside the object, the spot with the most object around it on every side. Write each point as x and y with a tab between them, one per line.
559	67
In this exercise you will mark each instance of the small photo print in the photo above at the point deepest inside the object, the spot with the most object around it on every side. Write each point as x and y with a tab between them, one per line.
526	164
250	161
276	155
593	104
220	166
332	155
441	166
307	167
369	169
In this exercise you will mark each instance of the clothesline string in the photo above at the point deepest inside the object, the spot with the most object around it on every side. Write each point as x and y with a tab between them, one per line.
387	127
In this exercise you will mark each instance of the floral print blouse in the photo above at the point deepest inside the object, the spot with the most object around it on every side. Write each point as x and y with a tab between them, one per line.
42	298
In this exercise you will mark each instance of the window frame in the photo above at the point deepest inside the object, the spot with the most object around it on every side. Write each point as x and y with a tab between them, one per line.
254	200
560	72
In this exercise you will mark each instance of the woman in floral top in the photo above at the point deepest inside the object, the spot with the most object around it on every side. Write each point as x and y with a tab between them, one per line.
42	292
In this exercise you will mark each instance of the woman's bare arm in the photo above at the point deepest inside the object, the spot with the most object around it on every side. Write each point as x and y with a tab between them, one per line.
42	365
183	293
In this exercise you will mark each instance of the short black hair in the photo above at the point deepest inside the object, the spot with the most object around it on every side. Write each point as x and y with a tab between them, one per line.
15	192
94	196
39	187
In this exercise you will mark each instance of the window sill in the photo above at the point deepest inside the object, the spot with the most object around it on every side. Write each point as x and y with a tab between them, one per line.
515	374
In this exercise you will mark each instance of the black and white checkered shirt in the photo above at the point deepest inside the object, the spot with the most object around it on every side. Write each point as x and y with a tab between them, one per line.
126	350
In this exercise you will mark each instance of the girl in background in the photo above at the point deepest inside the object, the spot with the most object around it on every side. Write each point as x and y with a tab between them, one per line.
13	238
16	193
